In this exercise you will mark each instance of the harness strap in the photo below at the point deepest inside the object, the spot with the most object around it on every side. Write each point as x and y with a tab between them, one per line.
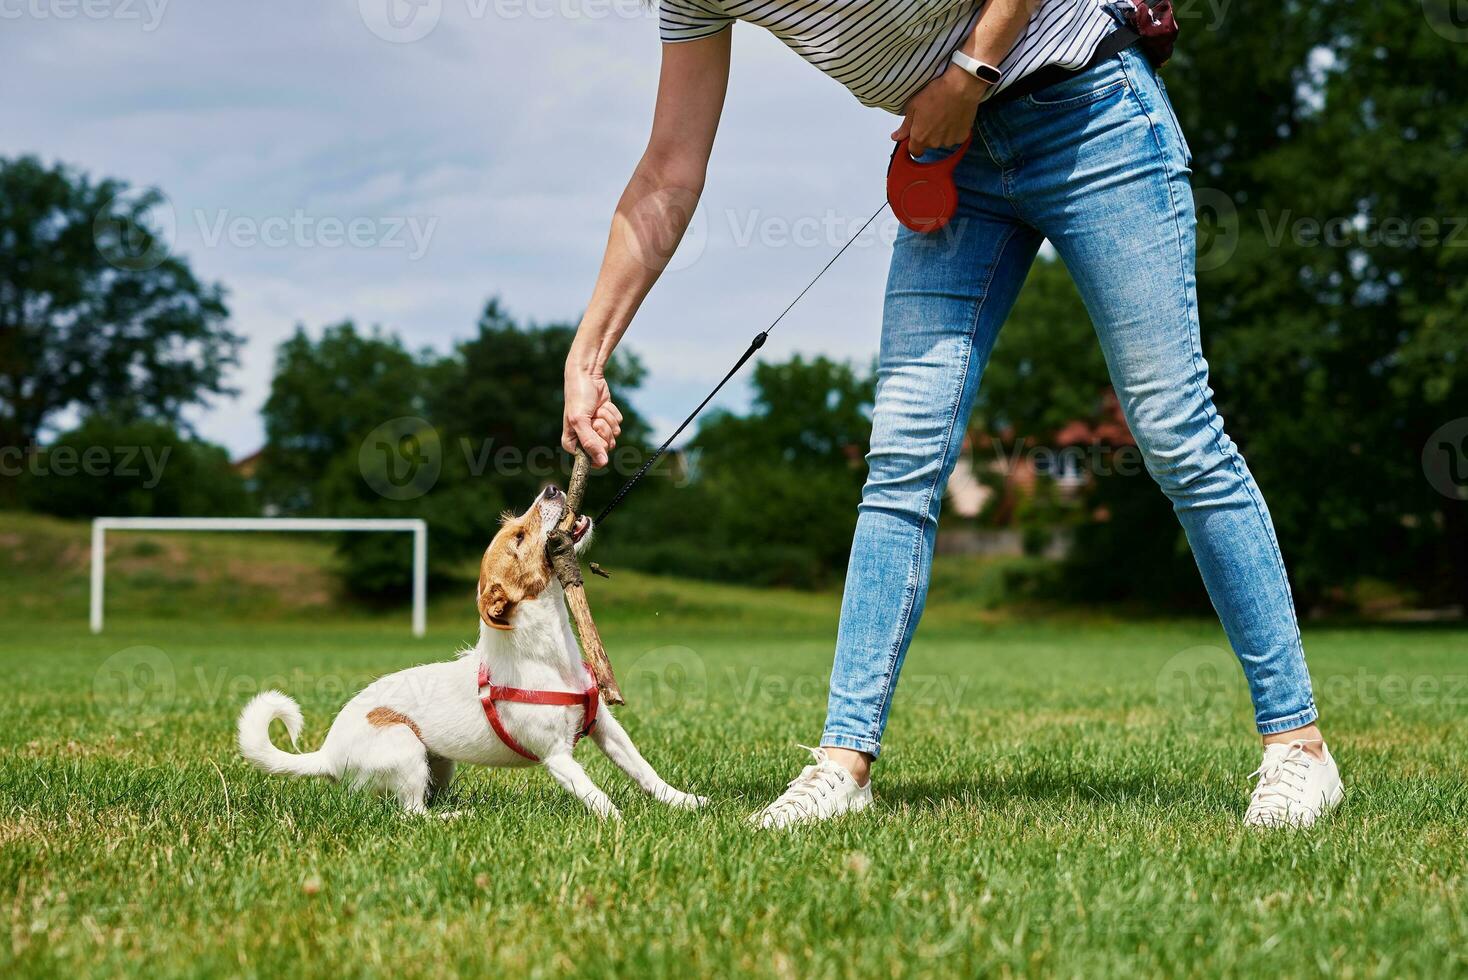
590	700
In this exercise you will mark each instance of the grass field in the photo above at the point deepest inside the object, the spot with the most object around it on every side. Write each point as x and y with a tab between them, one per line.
1059	795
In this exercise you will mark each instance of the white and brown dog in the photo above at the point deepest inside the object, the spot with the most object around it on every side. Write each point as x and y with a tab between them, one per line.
520	696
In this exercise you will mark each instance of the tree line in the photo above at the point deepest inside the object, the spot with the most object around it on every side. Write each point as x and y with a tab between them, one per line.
1331	178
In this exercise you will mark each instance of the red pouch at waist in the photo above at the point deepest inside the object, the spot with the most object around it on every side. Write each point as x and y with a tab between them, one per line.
1157	28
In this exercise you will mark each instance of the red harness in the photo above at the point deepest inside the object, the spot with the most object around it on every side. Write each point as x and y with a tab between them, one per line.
590	700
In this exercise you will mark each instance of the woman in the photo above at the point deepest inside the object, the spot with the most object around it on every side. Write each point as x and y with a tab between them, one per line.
1092	160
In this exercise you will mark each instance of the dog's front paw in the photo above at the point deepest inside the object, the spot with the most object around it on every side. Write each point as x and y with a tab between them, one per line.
686	801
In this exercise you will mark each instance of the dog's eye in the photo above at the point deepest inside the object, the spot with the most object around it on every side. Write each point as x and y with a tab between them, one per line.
520	538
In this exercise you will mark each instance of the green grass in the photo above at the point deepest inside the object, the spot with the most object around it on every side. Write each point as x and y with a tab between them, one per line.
1059	795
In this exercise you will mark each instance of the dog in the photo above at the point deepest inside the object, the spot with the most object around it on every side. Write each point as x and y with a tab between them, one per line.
520	696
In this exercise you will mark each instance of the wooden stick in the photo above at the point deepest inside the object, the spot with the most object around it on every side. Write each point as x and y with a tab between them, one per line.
562	551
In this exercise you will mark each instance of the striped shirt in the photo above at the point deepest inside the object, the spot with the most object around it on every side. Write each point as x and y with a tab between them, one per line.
886	50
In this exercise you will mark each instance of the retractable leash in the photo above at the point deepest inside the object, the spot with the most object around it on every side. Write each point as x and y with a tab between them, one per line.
923	195
923	198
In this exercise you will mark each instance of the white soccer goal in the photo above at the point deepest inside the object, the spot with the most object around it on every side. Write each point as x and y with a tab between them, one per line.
419	529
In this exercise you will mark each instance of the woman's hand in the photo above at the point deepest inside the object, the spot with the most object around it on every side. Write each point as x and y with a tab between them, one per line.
650	219
590	420
942	113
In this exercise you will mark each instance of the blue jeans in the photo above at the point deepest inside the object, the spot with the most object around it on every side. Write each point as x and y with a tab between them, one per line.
1096	164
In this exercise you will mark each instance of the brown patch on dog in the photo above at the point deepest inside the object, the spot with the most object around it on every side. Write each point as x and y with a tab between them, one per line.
382	716
514	568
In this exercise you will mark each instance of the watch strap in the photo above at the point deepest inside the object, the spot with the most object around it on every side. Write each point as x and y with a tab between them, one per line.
981	70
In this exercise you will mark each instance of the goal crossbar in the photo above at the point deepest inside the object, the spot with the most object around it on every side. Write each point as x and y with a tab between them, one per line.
418	528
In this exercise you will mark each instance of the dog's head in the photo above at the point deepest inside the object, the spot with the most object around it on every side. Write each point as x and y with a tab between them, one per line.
515	568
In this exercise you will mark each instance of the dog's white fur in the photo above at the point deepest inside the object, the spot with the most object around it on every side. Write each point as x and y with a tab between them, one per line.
403	734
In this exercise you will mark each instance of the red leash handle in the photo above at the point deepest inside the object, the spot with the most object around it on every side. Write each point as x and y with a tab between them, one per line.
922	195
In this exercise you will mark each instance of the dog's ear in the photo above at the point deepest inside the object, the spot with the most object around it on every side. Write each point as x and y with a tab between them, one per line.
495	606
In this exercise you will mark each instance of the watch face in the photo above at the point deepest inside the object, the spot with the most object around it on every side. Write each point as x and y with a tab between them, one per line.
988	73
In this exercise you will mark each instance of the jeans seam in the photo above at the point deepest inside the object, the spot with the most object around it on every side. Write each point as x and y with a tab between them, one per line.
1006	172
859	743
1305	716
1195	349
909	594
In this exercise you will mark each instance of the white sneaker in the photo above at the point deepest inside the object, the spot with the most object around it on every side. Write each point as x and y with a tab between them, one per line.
822	791
1295	789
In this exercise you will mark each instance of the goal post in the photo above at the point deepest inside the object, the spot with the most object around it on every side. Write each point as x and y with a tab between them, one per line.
418	528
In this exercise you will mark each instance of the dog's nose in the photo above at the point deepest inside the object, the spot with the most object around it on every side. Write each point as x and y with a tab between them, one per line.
552	492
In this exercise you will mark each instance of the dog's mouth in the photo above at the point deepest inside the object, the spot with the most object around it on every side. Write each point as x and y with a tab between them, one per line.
579	529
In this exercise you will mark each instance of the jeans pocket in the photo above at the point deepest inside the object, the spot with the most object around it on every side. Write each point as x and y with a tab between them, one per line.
1103	81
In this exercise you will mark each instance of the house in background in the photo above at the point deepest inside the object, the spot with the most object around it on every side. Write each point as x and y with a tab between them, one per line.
997	473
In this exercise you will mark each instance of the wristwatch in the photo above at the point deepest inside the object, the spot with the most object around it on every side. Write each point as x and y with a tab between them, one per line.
981	70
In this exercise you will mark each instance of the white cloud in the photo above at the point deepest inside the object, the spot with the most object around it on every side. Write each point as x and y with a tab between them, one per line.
512	135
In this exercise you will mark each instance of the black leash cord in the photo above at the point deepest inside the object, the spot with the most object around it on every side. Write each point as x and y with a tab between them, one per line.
754	345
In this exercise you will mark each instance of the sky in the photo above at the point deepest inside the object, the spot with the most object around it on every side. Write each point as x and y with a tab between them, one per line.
399	162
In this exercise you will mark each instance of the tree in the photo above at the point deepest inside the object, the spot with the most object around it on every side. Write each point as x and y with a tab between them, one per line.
132	469
500	396
352	415
325	397
774	492
95	314
1331	142
1331	179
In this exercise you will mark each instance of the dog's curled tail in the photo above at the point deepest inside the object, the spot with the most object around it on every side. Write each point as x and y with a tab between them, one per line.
254	737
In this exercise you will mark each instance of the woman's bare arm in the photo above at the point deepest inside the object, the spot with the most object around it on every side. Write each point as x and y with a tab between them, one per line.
942	112
647	226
